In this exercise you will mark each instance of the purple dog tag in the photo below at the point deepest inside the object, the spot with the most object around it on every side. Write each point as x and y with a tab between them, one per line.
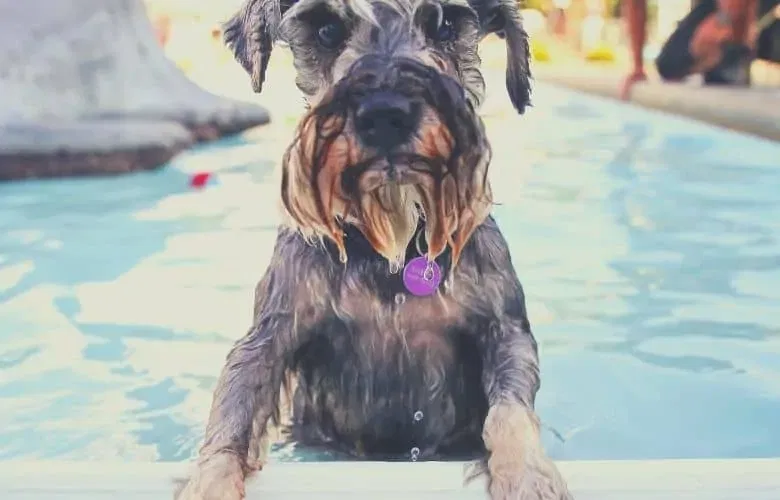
422	278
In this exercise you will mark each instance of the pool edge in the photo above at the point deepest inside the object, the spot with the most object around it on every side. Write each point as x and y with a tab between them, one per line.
743	479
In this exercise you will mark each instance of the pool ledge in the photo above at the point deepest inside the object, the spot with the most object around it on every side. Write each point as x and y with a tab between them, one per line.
737	108
753	479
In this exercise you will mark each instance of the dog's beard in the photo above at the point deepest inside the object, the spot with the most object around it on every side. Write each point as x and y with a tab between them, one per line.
388	218
323	183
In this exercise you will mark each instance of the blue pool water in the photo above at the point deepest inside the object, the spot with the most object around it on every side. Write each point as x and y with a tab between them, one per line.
649	248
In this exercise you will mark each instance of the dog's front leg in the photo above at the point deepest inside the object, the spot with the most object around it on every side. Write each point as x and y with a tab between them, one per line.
244	400
517	465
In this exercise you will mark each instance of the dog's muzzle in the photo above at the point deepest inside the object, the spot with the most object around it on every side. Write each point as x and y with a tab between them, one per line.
385	120
386	96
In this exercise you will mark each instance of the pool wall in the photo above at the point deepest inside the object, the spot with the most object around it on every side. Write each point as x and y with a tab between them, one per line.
745	479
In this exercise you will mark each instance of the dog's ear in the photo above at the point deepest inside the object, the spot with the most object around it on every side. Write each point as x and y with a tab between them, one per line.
502	18
250	34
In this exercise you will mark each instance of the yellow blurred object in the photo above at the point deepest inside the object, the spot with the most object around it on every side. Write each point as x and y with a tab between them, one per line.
184	64
539	51
600	53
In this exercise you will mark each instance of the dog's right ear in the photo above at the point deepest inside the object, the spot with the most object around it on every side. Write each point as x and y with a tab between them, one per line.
250	34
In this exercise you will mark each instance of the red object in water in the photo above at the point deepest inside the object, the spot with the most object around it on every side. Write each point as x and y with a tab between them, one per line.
200	179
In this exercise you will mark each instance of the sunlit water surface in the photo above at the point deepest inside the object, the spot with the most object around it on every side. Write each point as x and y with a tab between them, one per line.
649	248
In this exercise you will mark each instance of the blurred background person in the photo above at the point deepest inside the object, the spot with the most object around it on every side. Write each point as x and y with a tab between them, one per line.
716	39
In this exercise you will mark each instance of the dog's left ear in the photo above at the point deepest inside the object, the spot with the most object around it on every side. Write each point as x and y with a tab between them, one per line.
502	18
250	34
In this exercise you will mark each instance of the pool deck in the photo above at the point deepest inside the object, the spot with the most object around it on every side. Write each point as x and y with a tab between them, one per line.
754	110
747	479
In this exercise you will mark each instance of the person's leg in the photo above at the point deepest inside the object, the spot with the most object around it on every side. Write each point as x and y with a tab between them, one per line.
635	15
736	55
767	44
675	61
741	23
726	63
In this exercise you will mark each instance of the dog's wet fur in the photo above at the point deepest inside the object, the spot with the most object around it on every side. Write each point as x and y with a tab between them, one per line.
370	369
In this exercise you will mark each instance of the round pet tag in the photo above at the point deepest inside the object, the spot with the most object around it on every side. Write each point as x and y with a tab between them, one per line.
422	278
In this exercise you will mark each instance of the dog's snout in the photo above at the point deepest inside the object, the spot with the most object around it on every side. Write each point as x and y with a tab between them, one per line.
386	120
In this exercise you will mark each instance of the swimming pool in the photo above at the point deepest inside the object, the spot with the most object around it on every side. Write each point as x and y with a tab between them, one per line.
649	248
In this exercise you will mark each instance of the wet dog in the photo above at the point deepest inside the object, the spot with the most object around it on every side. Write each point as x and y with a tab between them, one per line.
390	311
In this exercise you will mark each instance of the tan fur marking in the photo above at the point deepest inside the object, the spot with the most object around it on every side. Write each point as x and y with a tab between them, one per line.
518	466
218	477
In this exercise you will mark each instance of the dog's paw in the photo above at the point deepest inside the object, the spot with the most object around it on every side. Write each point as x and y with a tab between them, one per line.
218	478
533	477
518	468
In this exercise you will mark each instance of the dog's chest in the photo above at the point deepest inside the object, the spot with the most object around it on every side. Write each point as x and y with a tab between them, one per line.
418	324
387	373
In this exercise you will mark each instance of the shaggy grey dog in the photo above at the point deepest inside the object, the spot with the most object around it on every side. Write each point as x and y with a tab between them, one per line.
390	314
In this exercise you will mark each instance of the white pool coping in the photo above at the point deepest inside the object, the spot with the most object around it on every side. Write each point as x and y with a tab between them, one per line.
753	479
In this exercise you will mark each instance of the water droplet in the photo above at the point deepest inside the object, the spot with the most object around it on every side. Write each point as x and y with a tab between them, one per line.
418	415
400	298
428	273
415	453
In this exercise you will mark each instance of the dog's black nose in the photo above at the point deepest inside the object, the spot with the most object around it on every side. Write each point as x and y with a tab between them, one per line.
385	120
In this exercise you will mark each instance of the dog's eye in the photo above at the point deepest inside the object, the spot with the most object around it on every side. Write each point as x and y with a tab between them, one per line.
331	34
442	28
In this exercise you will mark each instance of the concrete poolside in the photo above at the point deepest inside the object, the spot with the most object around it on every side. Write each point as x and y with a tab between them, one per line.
597	480
754	110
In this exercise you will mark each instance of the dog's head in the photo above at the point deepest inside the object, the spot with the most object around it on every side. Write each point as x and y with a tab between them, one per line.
391	133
